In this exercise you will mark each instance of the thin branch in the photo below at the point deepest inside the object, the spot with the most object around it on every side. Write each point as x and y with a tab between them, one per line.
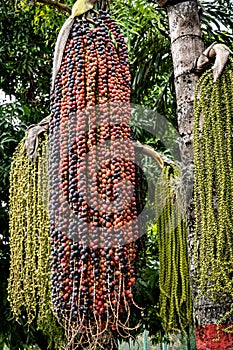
56	4
149	151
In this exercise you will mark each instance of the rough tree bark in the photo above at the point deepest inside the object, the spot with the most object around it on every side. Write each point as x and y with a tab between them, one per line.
186	46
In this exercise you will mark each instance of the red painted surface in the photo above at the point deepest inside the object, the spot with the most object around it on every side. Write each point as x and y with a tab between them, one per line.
205	334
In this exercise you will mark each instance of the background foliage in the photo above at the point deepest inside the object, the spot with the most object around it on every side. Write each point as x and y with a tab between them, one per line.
28	32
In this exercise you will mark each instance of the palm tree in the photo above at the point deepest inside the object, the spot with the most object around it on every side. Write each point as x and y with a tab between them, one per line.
186	46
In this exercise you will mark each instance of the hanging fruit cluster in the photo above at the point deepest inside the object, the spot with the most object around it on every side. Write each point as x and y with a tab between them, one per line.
213	186
174	282
29	287
93	204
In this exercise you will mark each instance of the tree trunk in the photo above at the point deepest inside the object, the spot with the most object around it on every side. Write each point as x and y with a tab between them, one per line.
186	46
